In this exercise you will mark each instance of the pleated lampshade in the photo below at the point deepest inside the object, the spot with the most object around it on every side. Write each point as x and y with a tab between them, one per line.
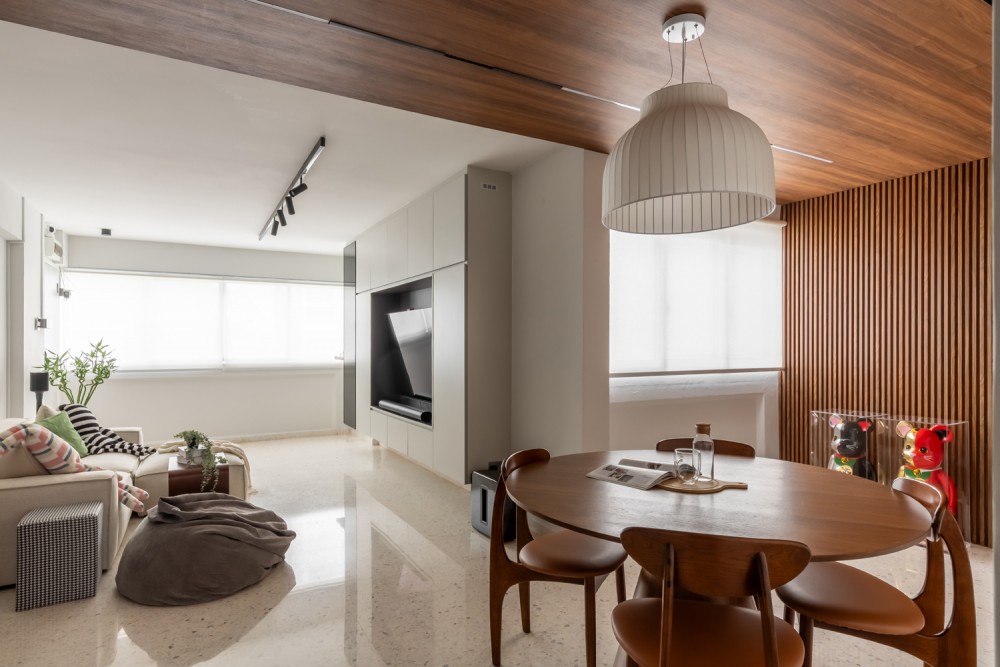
691	164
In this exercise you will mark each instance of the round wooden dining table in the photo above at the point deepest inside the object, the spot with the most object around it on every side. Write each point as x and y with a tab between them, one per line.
838	516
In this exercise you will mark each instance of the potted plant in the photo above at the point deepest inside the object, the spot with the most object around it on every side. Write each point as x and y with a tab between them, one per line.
90	369
198	450
196	444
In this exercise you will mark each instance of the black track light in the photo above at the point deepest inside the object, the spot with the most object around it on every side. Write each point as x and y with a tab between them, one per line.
296	187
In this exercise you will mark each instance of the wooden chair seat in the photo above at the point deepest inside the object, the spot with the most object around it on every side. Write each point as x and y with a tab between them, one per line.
847	597
711	634
571	554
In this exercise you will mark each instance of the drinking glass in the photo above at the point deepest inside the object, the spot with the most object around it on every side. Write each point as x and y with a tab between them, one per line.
687	464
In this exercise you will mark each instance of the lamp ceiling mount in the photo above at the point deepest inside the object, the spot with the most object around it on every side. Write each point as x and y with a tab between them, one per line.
683	28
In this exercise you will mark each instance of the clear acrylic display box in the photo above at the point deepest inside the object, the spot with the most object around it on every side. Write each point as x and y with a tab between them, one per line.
935	451
848	441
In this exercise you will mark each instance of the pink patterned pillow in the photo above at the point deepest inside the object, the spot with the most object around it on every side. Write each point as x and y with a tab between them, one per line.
55	454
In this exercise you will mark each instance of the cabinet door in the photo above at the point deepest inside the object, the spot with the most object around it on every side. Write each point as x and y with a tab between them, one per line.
420	235
420	443
378	255
364	362
449	222
380	426
448	345
395	247
398	435
363	276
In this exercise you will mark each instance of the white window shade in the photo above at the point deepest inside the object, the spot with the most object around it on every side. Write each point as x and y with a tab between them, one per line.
691	302
167	323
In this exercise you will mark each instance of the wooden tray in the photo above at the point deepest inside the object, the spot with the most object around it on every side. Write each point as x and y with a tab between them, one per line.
713	486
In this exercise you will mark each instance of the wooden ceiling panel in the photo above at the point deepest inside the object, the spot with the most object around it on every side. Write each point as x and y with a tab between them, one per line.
882	89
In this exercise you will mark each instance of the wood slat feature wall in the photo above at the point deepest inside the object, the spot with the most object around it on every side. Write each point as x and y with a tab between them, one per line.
888	293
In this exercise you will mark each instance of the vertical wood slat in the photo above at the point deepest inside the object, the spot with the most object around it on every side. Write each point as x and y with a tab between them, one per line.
888	307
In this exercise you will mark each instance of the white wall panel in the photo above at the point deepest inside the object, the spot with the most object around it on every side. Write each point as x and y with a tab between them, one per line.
449	372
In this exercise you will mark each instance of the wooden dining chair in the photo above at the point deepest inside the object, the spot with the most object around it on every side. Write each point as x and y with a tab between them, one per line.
565	556
727	447
666	630
838	597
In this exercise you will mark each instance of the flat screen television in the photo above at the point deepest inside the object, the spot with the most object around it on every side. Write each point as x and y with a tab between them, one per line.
412	331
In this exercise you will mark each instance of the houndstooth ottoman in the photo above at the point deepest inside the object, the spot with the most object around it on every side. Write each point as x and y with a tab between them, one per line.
58	554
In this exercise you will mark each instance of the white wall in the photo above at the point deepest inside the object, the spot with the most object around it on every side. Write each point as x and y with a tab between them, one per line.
739	406
559	329
25	344
224	404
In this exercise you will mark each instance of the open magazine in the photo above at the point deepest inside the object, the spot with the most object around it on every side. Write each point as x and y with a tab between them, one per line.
635	473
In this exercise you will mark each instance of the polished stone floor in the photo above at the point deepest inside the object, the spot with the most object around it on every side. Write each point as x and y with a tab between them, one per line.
385	571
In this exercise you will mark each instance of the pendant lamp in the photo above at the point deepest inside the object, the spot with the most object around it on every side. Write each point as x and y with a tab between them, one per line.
691	164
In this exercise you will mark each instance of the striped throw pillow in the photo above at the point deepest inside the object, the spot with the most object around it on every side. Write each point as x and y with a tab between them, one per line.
100	440
55	454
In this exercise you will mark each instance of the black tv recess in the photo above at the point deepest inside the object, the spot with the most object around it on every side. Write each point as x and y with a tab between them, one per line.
411	332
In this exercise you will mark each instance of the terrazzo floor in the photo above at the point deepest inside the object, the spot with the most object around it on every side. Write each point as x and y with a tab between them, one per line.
385	571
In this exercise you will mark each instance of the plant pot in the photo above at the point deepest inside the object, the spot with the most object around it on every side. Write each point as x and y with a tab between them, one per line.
193	456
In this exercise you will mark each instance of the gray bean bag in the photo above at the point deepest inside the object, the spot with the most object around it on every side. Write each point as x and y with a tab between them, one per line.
199	547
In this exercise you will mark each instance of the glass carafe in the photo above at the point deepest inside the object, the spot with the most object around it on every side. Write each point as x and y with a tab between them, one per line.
703	443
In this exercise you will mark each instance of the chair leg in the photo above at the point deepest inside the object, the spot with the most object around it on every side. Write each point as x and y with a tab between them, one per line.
620	582
525	594
806	632
497	592
590	611
789	615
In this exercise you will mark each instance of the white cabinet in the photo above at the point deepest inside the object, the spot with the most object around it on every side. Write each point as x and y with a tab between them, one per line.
363	271
380	427
395	247
449	222
420	236
448	345
457	238
398	435
420	444
377	254
363	380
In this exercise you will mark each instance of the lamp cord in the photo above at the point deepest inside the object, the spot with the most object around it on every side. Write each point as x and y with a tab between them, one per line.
706	61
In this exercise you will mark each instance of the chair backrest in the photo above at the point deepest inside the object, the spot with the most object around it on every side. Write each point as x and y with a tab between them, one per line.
510	464
929	496
713	565
959	631
726	447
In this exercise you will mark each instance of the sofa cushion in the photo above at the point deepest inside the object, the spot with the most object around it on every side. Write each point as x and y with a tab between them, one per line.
125	463
60	425
55	454
100	440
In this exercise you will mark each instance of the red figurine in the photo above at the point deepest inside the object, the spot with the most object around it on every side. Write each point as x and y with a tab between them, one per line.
923	450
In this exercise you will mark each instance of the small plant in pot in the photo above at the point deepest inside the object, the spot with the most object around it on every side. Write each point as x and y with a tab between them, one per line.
198	450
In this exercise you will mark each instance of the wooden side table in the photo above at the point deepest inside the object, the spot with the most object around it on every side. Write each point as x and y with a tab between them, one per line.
183	478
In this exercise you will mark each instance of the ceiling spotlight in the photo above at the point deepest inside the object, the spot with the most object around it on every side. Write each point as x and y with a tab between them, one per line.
296	187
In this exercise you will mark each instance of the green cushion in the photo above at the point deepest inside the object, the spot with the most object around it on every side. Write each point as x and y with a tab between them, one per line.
60	425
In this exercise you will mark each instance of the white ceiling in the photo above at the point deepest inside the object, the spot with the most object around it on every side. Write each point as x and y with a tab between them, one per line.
162	150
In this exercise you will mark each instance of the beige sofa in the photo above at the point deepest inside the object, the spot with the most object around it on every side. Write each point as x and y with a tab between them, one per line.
25	485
